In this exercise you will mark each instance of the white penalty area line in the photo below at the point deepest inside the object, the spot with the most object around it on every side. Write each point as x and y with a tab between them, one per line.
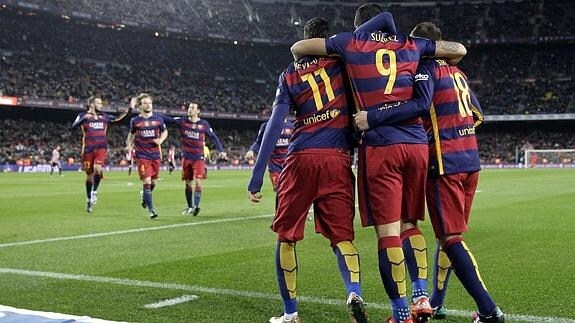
171	302
250	294
112	233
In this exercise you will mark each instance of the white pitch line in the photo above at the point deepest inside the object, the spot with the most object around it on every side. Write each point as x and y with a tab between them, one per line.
171	302
251	294
104	234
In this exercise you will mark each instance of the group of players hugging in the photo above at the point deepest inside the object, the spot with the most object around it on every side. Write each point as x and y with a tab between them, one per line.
402	102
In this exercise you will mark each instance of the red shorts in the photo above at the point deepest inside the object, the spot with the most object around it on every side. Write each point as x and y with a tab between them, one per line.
449	200
97	157
274	178
322	177
391	183
192	169
148	168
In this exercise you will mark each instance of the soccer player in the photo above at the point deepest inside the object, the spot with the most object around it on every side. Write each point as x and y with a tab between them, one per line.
279	153
130	159
55	161
451	113
381	68
193	131
317	172
147	133
94	125
171	158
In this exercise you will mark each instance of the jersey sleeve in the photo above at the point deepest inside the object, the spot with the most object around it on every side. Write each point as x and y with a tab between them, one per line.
132	126
256	145
78	121
476	109
271	134
337	44
420	103
382	22
425	46
212	134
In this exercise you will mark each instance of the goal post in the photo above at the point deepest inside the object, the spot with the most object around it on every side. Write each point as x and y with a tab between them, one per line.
535	157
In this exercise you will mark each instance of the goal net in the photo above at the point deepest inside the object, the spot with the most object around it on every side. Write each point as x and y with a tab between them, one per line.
549	157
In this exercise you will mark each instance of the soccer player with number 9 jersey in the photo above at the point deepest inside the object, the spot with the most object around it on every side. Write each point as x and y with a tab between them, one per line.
392	158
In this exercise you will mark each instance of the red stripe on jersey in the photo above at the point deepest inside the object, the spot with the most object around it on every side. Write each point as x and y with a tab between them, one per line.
445	96
374	99
364	71
455	145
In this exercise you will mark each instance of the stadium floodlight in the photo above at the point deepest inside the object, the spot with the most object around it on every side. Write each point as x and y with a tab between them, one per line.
548	157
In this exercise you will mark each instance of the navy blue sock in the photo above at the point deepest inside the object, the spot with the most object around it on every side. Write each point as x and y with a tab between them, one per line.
466	269
348	264
197	196
97	179
148	196
88	189
189	196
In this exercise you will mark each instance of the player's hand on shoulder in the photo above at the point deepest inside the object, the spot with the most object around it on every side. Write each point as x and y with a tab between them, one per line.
360	120
255	197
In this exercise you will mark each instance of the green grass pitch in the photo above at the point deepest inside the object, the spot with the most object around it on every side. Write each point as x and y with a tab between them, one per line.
110	264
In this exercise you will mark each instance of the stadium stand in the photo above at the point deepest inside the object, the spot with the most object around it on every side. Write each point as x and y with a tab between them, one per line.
228	54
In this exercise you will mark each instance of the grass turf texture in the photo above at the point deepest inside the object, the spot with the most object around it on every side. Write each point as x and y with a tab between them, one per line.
520	228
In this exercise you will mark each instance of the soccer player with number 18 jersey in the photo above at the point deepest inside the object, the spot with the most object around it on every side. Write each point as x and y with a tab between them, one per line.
381	68
319	156
451	113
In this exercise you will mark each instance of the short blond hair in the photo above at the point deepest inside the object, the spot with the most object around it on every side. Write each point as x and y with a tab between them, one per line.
141	97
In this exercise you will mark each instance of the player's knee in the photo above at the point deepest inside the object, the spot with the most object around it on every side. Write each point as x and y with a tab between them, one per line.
451	239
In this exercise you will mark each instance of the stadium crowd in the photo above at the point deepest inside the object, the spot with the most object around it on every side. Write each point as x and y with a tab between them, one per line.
47	56
34	141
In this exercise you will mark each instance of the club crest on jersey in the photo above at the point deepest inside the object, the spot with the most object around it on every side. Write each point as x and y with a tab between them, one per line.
287	131
146	123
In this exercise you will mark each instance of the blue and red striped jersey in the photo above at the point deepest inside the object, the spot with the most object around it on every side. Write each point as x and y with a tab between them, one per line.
146	130
193	137
280	151
315	88
94	128
381	69
453	116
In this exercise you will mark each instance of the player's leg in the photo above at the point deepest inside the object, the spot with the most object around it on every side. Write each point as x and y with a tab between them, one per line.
148	176
440	280
199	173
88	167
52	164
130	164
413	243
334	212
274	179
97	176
171	167
293	202
380	206
452	196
